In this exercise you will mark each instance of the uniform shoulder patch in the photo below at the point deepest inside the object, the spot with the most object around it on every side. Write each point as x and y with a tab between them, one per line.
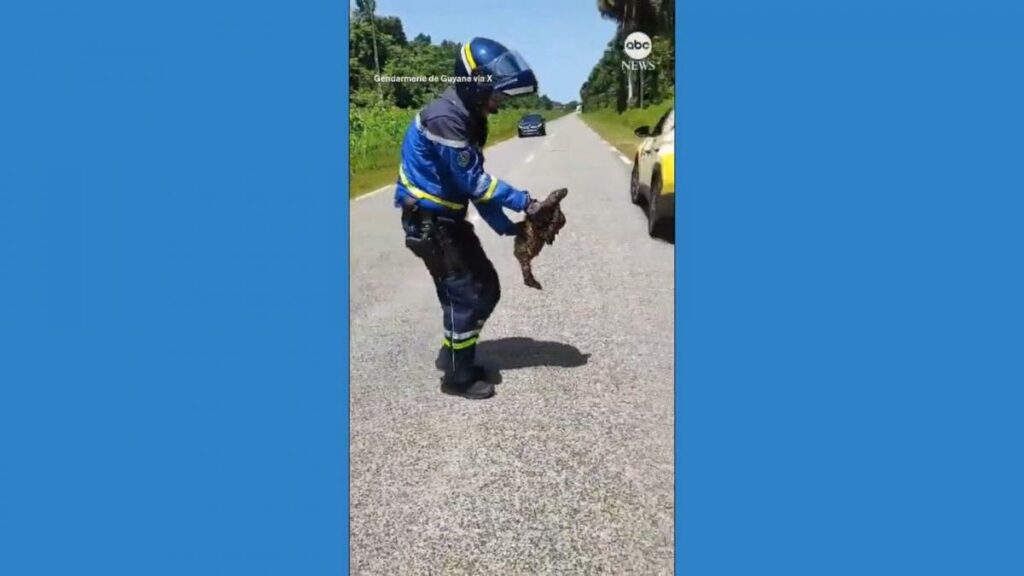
463	158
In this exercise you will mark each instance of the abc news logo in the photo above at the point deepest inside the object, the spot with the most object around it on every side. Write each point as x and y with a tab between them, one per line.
638	47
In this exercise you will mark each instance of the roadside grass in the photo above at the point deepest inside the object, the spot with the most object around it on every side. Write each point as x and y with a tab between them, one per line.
617	128
376	138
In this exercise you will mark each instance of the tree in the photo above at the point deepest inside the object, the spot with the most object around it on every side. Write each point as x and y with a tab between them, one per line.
609	84
365	11
652	17
378	46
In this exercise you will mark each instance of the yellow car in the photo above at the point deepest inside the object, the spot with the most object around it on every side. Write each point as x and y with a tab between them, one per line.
653	182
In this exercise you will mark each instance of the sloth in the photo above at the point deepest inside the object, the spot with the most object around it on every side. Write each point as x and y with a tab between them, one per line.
538	229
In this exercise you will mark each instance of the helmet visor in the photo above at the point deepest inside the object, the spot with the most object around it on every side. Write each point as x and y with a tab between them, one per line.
508	64
512	75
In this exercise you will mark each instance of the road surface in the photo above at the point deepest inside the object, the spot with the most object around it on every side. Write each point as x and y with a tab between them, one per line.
569	468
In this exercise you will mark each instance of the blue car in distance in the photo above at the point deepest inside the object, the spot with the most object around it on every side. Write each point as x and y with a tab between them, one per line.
531	125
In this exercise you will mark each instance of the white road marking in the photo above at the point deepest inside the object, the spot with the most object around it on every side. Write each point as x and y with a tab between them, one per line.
529	158
625	160
368	194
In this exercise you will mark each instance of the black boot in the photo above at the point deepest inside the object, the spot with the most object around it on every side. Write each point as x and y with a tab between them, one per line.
471	389
444	360
463	378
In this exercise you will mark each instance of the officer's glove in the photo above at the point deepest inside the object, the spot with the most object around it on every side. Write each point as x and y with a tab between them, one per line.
533	214
533	210
516	229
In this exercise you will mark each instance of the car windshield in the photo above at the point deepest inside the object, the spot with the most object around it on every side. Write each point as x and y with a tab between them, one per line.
532	117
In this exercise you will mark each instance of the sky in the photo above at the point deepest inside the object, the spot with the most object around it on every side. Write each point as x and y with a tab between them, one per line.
562	40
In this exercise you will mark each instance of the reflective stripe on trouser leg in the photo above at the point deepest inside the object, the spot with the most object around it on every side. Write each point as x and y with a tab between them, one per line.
460	371
463	354
457	344
468	297
461	337
463	309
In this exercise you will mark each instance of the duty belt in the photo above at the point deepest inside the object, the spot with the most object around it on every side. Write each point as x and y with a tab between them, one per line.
411	209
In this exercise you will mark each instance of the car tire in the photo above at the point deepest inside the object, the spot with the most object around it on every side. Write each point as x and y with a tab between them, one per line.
634	184
543	131
657	225
520	133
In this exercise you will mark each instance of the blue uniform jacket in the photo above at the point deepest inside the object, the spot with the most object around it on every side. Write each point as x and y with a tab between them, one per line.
443	166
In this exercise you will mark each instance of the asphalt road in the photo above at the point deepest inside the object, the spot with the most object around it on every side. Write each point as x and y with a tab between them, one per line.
569	468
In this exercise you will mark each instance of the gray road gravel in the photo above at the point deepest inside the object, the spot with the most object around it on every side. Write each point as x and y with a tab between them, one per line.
569	469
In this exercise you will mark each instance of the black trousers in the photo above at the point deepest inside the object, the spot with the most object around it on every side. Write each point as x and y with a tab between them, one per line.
465	280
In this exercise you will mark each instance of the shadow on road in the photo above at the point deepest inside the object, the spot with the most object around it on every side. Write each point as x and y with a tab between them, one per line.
515	353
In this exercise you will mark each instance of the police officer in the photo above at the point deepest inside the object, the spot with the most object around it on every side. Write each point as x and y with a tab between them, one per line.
441	173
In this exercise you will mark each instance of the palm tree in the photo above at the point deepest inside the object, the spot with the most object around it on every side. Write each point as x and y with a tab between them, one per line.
365	10
649	16
612	9
624	13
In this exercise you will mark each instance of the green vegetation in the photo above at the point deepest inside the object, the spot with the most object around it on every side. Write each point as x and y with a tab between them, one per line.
618	99
613	85
375	136
617	128
381	111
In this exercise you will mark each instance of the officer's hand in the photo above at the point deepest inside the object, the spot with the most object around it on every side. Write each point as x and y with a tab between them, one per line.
516	229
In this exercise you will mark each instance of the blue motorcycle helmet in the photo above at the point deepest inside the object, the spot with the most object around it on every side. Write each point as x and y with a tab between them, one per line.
485	68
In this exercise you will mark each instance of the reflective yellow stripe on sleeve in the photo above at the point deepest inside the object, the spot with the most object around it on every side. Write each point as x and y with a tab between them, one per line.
490	189
425	195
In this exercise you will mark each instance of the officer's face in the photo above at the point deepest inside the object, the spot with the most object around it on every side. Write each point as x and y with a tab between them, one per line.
494	102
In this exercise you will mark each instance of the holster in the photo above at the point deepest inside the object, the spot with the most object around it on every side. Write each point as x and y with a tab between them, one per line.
434	239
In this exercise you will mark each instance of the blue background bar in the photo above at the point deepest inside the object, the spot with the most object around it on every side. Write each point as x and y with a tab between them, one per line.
850	290
173	290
